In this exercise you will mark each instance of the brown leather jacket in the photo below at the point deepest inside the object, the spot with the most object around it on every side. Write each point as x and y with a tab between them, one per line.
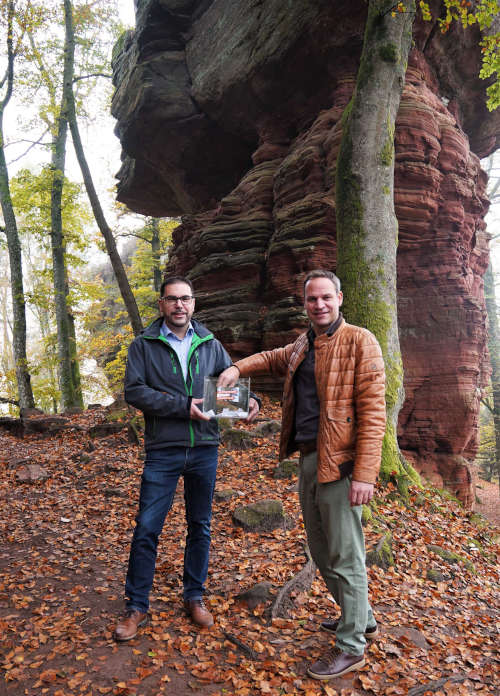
350	380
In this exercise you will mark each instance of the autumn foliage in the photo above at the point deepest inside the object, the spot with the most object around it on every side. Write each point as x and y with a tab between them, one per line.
65	543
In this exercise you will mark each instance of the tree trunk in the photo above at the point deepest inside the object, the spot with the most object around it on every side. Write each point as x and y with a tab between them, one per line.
367	229
26	399
494	349
114	256
70	394
155	253
75	366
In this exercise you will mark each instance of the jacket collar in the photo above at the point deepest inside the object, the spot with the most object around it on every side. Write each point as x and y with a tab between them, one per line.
330	331
154	329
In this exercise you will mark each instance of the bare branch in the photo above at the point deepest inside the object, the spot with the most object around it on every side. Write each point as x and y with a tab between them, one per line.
86	77
34	143
8	401
488	405
133	234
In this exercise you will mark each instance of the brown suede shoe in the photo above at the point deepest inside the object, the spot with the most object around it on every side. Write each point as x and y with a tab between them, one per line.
198	612
335	664
127	628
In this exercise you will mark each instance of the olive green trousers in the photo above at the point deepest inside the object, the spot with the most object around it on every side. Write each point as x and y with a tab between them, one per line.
337	546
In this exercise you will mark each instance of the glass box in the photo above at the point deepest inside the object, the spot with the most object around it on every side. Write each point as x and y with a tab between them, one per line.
226	402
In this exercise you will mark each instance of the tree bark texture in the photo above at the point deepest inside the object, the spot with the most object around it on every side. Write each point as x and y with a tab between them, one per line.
114	256
367	228
25	392
70	393
494	349
155	251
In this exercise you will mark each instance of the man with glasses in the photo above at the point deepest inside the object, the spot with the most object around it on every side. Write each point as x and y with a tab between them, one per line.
334	414
166	367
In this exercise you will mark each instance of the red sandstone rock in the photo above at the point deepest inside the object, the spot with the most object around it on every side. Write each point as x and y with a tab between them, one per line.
440	204
281	97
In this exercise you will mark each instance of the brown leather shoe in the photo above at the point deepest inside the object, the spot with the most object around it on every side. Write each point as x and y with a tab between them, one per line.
335	664
198	612
127	628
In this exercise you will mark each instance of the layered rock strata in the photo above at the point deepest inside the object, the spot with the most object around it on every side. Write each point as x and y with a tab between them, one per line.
233	109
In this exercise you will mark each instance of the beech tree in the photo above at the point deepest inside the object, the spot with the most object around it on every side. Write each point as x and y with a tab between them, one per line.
15	260
31	197
367	228
59	114
69	374
111	248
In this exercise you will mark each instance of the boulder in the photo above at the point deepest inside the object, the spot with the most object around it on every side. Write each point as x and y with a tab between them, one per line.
263	516
105	429
258	594
234	439
225	494
288	468
31	473
267	428
47	425
12	425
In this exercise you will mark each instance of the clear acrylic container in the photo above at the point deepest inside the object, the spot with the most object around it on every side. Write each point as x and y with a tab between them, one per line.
226	402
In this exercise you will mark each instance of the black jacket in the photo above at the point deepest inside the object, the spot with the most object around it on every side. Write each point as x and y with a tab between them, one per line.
154	383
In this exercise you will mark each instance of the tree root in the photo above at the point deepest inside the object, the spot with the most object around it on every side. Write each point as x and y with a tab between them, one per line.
435	685
300	582
242	646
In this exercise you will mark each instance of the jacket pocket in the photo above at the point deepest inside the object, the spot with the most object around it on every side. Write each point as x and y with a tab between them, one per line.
341	427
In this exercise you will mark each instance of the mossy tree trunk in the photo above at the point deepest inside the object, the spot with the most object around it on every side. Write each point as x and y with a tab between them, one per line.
13	244
69	385
367	228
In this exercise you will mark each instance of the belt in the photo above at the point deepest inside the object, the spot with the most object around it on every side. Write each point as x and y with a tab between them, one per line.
307	447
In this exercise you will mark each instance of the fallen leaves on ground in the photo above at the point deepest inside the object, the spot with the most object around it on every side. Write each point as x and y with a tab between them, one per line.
63	562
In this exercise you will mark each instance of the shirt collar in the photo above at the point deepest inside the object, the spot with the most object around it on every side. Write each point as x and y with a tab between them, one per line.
329	332
167	332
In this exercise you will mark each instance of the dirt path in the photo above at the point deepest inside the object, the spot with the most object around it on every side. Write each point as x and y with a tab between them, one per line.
488	500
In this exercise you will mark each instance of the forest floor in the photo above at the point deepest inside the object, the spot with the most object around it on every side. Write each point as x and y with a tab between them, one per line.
65	543
488	500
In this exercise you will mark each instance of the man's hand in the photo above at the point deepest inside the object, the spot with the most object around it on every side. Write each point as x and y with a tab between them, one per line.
195	413
360	493
229	377
253	409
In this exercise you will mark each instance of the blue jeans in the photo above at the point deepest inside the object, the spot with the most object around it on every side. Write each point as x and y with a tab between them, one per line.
162	469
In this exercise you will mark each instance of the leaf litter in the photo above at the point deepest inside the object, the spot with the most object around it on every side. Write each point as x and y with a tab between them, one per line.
63	562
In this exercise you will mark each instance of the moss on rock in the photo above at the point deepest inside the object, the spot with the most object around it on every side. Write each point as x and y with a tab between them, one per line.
451	557
381	555
265	515
434	575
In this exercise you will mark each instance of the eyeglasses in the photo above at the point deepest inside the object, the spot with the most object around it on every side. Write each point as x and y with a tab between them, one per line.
172	299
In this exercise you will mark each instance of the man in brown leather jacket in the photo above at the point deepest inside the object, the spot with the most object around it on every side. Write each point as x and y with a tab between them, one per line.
334	414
